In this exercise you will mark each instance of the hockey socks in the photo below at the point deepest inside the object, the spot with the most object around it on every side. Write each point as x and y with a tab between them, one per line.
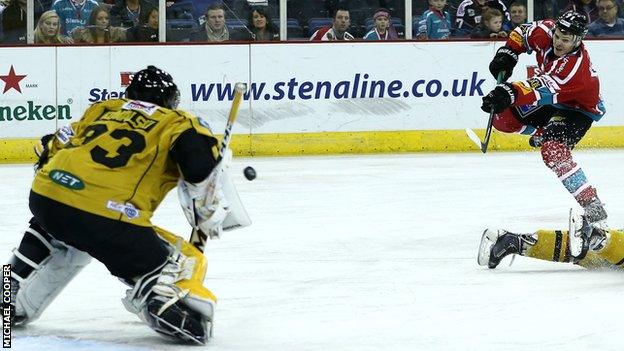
551	245
558	157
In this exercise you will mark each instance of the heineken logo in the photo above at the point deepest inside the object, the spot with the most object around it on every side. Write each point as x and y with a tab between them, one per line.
33	112
66	179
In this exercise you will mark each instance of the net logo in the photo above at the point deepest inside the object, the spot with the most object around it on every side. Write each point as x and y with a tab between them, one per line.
66	179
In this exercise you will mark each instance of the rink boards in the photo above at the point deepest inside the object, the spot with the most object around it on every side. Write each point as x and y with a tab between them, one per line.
304	98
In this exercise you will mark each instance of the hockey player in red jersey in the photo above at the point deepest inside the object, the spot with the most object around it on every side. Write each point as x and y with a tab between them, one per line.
557	106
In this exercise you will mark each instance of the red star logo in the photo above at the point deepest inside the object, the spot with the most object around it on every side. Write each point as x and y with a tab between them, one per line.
12	80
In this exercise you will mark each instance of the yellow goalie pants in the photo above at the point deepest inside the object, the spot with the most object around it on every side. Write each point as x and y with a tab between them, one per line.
552	245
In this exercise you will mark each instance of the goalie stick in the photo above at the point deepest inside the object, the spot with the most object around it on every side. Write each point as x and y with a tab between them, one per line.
483	145
198	237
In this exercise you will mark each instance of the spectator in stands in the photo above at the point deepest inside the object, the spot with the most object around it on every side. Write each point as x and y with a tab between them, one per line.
48	30
518	13
469	13
73	13
608	24
127	13
435	23
491	25
14	20
99	30
383	29
147	30
215	29
588	7
545	9
338	31
261	25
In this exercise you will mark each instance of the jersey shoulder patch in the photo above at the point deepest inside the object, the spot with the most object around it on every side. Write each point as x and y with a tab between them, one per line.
141	106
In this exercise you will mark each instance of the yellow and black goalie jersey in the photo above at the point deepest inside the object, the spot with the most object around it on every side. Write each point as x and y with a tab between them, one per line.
115	162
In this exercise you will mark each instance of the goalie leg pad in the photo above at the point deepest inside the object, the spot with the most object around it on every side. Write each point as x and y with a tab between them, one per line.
40	269
171	299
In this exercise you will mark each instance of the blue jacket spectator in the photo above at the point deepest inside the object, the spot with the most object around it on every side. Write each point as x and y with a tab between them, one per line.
382	29
73	13
608	24
434	24
601	29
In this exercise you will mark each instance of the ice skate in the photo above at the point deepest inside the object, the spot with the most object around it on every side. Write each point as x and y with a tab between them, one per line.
497	244
585	235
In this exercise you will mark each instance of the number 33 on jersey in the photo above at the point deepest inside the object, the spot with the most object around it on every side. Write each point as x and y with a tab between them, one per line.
108	157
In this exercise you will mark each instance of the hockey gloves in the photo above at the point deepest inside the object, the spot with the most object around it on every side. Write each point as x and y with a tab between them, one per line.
204	203
499	99
504	61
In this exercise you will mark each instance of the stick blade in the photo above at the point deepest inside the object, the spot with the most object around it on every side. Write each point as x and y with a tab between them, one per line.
475	139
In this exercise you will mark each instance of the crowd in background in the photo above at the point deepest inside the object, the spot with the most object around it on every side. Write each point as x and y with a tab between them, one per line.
114	21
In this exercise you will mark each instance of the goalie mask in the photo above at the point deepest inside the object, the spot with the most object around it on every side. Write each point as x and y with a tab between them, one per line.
573	23
154	85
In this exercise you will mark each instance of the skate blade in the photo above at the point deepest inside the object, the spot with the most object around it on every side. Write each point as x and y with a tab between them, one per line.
575	239
487	241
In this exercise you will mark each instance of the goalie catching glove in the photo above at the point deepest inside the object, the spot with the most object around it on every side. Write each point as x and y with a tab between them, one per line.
204	204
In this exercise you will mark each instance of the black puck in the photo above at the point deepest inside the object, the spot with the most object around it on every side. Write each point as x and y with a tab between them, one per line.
250	173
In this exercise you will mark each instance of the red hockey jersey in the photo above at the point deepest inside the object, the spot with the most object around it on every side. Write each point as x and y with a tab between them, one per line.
567	82
327	34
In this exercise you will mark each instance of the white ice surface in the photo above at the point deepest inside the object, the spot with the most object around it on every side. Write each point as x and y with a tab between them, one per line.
365	253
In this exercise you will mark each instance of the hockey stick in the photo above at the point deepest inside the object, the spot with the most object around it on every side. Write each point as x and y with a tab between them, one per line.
198	237
483	145
239	90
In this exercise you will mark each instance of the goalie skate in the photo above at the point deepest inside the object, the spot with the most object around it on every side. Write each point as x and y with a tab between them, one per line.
178	322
